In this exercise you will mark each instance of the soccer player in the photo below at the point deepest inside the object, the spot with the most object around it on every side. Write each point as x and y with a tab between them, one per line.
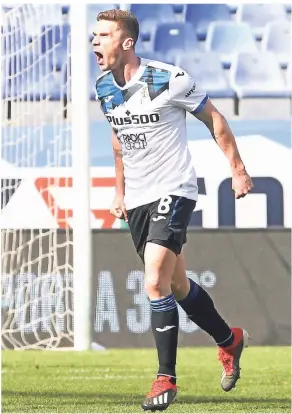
145	102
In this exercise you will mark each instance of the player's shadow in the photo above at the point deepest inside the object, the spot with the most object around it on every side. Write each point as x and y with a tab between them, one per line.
113	399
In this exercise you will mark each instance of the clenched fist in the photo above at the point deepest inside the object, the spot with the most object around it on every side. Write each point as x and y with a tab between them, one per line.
241	183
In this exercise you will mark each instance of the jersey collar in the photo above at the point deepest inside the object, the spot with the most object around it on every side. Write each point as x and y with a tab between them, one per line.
135	78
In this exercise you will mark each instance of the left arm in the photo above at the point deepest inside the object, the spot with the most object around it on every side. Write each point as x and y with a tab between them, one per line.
222	134
185	94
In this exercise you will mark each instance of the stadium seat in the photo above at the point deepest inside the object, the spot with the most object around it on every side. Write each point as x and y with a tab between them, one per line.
178	8
35	83
172	39
232	7
57	55
65	8
277	39
255	76
149	16
54	43
228	38
201	15
258	15
12	41
50	37
14	63
207	72
146	53
6	8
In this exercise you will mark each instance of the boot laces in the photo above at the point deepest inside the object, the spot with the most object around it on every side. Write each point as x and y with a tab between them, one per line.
159	386
227	361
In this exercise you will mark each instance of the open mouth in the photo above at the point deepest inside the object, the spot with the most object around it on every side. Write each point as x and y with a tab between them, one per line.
99	57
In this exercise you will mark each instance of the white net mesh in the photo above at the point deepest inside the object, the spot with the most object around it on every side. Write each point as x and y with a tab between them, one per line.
37	297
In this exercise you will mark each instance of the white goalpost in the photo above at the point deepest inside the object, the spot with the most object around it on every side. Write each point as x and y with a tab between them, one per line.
81	179
45	178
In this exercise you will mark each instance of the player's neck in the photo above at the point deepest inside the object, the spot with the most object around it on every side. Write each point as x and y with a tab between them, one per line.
126	71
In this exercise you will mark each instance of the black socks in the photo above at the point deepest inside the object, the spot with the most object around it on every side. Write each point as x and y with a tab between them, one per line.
165	324
200	309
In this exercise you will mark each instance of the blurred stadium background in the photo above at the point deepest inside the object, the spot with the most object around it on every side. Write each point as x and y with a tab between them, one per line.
241	55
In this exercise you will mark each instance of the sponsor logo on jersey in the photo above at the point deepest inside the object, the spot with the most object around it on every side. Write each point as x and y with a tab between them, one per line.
133	141
191	91
133	119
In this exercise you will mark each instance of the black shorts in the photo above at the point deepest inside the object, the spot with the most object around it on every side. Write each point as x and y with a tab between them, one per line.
164	222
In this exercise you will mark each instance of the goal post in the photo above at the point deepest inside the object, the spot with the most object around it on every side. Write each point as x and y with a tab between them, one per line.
81	176
45	232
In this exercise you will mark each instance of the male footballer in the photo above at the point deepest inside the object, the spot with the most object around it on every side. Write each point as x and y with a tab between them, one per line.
156	189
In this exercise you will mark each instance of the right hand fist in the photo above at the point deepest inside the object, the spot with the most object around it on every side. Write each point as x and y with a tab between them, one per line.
118	208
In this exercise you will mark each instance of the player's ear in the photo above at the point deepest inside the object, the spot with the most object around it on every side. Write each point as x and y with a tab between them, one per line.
128	43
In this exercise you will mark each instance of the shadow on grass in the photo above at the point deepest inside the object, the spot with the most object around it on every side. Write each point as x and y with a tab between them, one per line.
111	398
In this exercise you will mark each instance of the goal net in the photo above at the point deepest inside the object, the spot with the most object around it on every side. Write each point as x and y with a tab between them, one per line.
36	153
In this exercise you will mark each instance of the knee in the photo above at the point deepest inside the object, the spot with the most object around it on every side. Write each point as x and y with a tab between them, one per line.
156	286
152	284
159	267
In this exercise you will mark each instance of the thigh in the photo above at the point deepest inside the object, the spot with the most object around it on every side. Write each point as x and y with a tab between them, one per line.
168	222
138	221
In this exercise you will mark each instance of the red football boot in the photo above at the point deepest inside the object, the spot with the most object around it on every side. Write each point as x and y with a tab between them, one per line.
162	394
230	357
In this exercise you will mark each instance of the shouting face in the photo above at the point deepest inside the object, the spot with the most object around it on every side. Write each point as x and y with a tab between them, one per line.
109	44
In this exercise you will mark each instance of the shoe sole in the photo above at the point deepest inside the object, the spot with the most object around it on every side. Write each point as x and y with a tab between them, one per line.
161	407
246	338
245	341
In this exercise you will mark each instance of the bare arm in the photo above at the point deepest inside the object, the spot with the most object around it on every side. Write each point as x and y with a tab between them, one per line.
118	208
222	134
119	166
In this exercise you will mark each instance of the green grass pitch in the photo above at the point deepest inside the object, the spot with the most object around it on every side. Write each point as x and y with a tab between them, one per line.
116	381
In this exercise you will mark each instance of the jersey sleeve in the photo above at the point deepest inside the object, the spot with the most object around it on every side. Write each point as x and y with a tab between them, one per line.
185	93
96	94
